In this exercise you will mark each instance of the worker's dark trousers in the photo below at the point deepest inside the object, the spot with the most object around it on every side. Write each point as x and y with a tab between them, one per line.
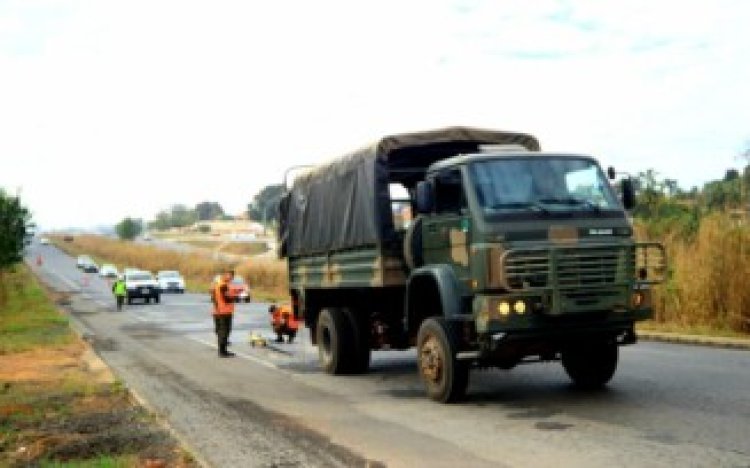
223	327
120	300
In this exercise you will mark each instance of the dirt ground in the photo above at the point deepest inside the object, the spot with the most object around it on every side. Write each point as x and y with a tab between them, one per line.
62	404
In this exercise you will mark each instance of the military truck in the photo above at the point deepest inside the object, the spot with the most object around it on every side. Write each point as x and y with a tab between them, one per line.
475	247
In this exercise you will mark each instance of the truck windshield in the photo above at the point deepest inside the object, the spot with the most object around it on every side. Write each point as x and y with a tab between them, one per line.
541	184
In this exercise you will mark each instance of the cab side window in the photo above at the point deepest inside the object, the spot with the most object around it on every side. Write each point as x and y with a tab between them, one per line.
400	206
449	192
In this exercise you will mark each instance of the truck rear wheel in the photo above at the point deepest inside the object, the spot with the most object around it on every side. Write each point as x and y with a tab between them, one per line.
360	327
335	344
590	365
445	378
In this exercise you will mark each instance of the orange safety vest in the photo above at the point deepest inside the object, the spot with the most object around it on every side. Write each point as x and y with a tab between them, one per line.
282	314
222	307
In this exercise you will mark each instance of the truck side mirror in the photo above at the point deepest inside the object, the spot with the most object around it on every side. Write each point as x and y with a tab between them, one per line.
611	173
628	193
425	197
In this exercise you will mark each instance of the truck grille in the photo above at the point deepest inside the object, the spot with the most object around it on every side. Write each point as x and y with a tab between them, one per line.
576	267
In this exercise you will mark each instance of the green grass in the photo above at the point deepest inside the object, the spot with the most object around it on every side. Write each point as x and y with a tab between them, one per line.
29	319
103	461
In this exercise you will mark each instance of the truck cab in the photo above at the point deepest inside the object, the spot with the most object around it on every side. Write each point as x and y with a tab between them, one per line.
540	251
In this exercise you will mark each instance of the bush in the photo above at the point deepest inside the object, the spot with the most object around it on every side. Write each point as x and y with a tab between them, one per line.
709	273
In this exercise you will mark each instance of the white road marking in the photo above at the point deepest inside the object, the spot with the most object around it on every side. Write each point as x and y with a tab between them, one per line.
65	280
254	359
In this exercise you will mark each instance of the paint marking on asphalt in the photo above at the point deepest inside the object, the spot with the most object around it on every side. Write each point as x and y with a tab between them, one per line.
65	280
254	359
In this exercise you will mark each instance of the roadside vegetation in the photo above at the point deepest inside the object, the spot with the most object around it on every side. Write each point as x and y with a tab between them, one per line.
234	248
707	237
266	277
58	410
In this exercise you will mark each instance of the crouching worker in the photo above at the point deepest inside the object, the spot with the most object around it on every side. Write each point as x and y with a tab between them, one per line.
283	322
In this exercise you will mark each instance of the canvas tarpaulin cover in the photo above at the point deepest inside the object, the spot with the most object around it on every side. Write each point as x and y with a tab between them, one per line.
345	203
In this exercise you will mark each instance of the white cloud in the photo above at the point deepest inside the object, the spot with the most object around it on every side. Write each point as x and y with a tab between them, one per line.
112	109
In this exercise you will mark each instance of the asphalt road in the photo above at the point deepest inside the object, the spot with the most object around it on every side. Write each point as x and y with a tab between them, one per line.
668	405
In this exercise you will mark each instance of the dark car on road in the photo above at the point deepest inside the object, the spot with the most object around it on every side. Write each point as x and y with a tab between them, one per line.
86	264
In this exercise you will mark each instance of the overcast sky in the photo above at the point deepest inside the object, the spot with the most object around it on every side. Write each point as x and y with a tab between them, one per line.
110	109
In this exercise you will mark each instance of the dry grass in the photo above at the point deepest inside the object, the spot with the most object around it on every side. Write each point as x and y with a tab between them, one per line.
235	248
267	277
709	278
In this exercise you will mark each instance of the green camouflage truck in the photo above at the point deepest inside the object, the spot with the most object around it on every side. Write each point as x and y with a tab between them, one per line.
475	247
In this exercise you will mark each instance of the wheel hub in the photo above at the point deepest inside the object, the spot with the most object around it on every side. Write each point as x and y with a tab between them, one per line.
430	360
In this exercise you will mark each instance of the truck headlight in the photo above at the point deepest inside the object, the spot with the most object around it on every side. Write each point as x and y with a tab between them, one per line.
519	307
503	308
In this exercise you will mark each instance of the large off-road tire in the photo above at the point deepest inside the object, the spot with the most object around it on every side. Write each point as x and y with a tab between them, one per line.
590	365
335	344
445	378
361	334
130	300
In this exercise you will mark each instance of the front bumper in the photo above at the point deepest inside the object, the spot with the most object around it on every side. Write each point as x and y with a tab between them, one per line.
532	313
143	291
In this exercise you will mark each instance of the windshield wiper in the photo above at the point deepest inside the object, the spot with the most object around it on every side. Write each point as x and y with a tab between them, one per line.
573	202
528	204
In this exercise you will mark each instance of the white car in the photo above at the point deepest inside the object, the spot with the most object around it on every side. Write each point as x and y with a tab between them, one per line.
141	285
83	260
170	281
108	271
44	241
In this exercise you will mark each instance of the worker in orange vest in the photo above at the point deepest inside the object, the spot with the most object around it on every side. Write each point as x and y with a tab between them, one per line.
283	322
223	312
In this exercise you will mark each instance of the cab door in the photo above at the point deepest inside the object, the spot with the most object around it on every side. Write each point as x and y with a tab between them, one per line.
446	232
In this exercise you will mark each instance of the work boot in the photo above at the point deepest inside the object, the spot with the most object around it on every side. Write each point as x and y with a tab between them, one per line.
223	351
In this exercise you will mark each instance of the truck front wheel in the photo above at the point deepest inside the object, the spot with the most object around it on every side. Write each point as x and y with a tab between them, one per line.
590	365
335	345
445	378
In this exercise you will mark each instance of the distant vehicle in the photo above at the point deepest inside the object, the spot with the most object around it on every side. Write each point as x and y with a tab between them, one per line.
44	241
108	271
141	285
170	281
238	289
68	238
83	260
146	237
130	270
90	267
